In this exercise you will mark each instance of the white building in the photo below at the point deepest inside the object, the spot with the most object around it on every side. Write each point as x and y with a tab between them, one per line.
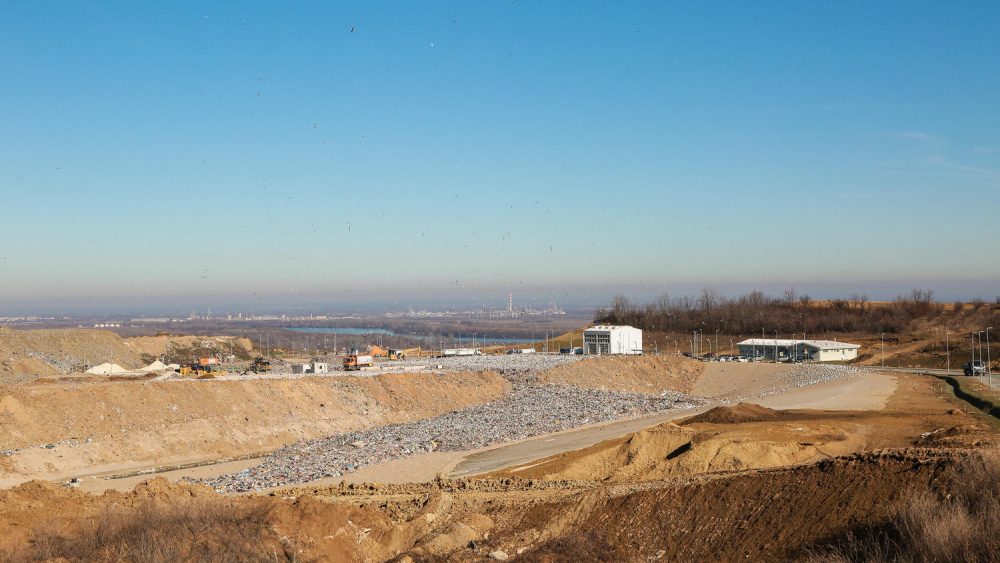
814	350
607	339
829	350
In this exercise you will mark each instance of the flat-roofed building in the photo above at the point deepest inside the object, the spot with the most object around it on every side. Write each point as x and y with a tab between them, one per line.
814	350
612	339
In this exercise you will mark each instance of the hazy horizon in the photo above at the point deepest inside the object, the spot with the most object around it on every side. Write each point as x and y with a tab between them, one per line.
359	301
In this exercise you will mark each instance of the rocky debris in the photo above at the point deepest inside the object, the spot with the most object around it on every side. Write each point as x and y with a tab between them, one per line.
801	375
529	410
512	366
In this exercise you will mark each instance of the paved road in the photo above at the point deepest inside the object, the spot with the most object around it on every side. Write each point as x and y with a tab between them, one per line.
931	371
849	393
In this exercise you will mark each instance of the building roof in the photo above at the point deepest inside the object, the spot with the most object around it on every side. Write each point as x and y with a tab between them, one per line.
609	327
830	345
817	344
769	342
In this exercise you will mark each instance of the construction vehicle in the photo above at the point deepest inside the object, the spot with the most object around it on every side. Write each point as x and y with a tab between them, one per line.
354	362
204	366
260	365
395	354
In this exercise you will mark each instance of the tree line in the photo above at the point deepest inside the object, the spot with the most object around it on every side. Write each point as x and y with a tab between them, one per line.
790	313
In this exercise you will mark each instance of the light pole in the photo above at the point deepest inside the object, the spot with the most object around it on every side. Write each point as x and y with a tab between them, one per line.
972	338
988	369
882	340
775	346
980	335
947	351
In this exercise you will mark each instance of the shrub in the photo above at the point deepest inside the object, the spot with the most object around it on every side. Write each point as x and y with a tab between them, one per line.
186	530
957	526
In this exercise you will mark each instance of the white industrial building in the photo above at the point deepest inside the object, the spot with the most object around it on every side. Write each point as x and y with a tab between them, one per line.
609	339
813	350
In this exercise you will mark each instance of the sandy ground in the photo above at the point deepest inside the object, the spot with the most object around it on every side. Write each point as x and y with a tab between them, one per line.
743	485
866	392
870	391
57	431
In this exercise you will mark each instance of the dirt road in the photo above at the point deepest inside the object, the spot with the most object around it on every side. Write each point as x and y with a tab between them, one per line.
865	392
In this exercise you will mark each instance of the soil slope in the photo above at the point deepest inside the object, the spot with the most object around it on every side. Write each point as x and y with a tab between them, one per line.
757	515
104	426
25	354
637	374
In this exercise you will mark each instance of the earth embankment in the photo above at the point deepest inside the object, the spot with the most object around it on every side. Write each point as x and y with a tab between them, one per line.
26	354
60	428
635	374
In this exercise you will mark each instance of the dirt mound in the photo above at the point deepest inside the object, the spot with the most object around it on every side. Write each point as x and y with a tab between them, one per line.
762	515
175	345
771	515
159	522
68	427
950	435
743	412
669	451
637	374
751	516
59	351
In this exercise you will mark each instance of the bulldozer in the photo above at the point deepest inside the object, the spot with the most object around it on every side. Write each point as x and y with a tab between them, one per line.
260	365
396	354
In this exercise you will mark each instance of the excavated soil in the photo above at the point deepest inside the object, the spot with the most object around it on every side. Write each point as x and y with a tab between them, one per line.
27	354
636	374
743	412
736	482
753	515
749	436
62	429
160	345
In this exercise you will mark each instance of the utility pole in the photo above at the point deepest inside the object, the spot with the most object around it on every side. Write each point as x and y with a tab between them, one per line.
983	376
882	339
947	351
980	335
988	369
973	364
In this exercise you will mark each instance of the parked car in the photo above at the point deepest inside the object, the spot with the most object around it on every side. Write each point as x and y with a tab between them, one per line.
974	368
742	359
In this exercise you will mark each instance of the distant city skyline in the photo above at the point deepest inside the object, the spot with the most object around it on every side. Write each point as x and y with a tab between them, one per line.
173	156
370	303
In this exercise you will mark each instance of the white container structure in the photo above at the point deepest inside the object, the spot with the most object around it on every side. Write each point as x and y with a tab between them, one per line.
612	339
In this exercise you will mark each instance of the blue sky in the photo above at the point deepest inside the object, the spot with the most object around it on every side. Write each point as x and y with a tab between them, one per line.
322	152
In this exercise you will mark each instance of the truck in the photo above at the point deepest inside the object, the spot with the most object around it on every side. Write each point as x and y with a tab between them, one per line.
354	362
974	368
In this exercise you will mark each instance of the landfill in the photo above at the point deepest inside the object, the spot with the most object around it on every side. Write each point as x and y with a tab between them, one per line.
528	411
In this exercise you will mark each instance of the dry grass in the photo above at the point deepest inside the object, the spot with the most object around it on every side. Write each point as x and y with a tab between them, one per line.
963	525
189	530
